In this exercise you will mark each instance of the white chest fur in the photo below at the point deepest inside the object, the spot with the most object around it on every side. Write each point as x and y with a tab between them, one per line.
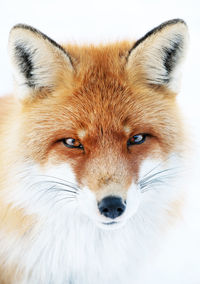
66	246
76	252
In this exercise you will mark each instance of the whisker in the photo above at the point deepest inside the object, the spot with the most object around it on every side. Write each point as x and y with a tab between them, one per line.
63	180
152	179
149	186
158	176
52	190
65	190
159	164
69	199
72	187
55	183
156	180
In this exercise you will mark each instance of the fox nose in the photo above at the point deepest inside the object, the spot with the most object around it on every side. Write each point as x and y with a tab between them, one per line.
111	207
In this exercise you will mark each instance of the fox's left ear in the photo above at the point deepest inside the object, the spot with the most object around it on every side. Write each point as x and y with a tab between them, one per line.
38	61
155	58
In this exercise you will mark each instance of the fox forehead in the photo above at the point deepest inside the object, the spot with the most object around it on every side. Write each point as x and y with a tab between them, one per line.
111	57
101	91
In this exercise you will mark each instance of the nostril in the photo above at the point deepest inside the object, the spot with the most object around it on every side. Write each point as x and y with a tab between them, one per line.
120	210
105	210
111	207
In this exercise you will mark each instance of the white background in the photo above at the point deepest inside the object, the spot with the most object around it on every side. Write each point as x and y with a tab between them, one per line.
94	21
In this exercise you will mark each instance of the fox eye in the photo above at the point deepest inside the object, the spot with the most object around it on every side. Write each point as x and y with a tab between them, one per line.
72	143
137	139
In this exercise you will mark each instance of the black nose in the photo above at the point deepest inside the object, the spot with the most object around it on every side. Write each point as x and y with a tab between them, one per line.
111	207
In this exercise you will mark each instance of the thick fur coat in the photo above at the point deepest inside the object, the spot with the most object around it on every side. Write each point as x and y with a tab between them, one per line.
69	138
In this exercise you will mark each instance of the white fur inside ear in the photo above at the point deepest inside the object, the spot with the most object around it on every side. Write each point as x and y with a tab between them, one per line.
159	54
36	59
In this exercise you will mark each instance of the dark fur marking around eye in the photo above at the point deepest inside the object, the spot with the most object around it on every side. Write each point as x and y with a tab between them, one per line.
25	62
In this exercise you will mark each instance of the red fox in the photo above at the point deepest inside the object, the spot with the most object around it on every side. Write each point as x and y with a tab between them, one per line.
92	146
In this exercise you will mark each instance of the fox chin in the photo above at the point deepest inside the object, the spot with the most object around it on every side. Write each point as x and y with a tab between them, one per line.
92	154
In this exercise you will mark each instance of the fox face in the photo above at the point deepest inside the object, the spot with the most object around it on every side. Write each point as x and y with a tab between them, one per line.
92	141
97	126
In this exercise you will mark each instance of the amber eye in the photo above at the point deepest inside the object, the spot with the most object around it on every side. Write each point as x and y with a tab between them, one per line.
72	143
137	139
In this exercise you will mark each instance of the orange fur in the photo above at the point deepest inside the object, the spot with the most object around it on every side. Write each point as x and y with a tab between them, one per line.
100	71
102	104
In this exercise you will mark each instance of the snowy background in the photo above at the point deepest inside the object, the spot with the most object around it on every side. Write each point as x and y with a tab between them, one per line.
94	21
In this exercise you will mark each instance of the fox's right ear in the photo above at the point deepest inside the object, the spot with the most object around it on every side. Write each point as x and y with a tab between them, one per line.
38	61
156	58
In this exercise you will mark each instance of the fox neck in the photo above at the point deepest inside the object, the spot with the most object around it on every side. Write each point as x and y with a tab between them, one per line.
68	243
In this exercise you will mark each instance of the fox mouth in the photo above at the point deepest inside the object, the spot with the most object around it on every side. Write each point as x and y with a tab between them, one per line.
110	223
113	225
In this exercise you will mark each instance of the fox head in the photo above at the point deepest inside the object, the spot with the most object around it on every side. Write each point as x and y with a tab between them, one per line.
98	127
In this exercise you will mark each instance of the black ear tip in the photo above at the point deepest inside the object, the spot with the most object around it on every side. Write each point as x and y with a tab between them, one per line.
40	35
158	29
169	23
173	22
24	27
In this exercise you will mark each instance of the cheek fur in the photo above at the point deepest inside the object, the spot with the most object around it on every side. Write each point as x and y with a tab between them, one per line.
45	190
62	171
